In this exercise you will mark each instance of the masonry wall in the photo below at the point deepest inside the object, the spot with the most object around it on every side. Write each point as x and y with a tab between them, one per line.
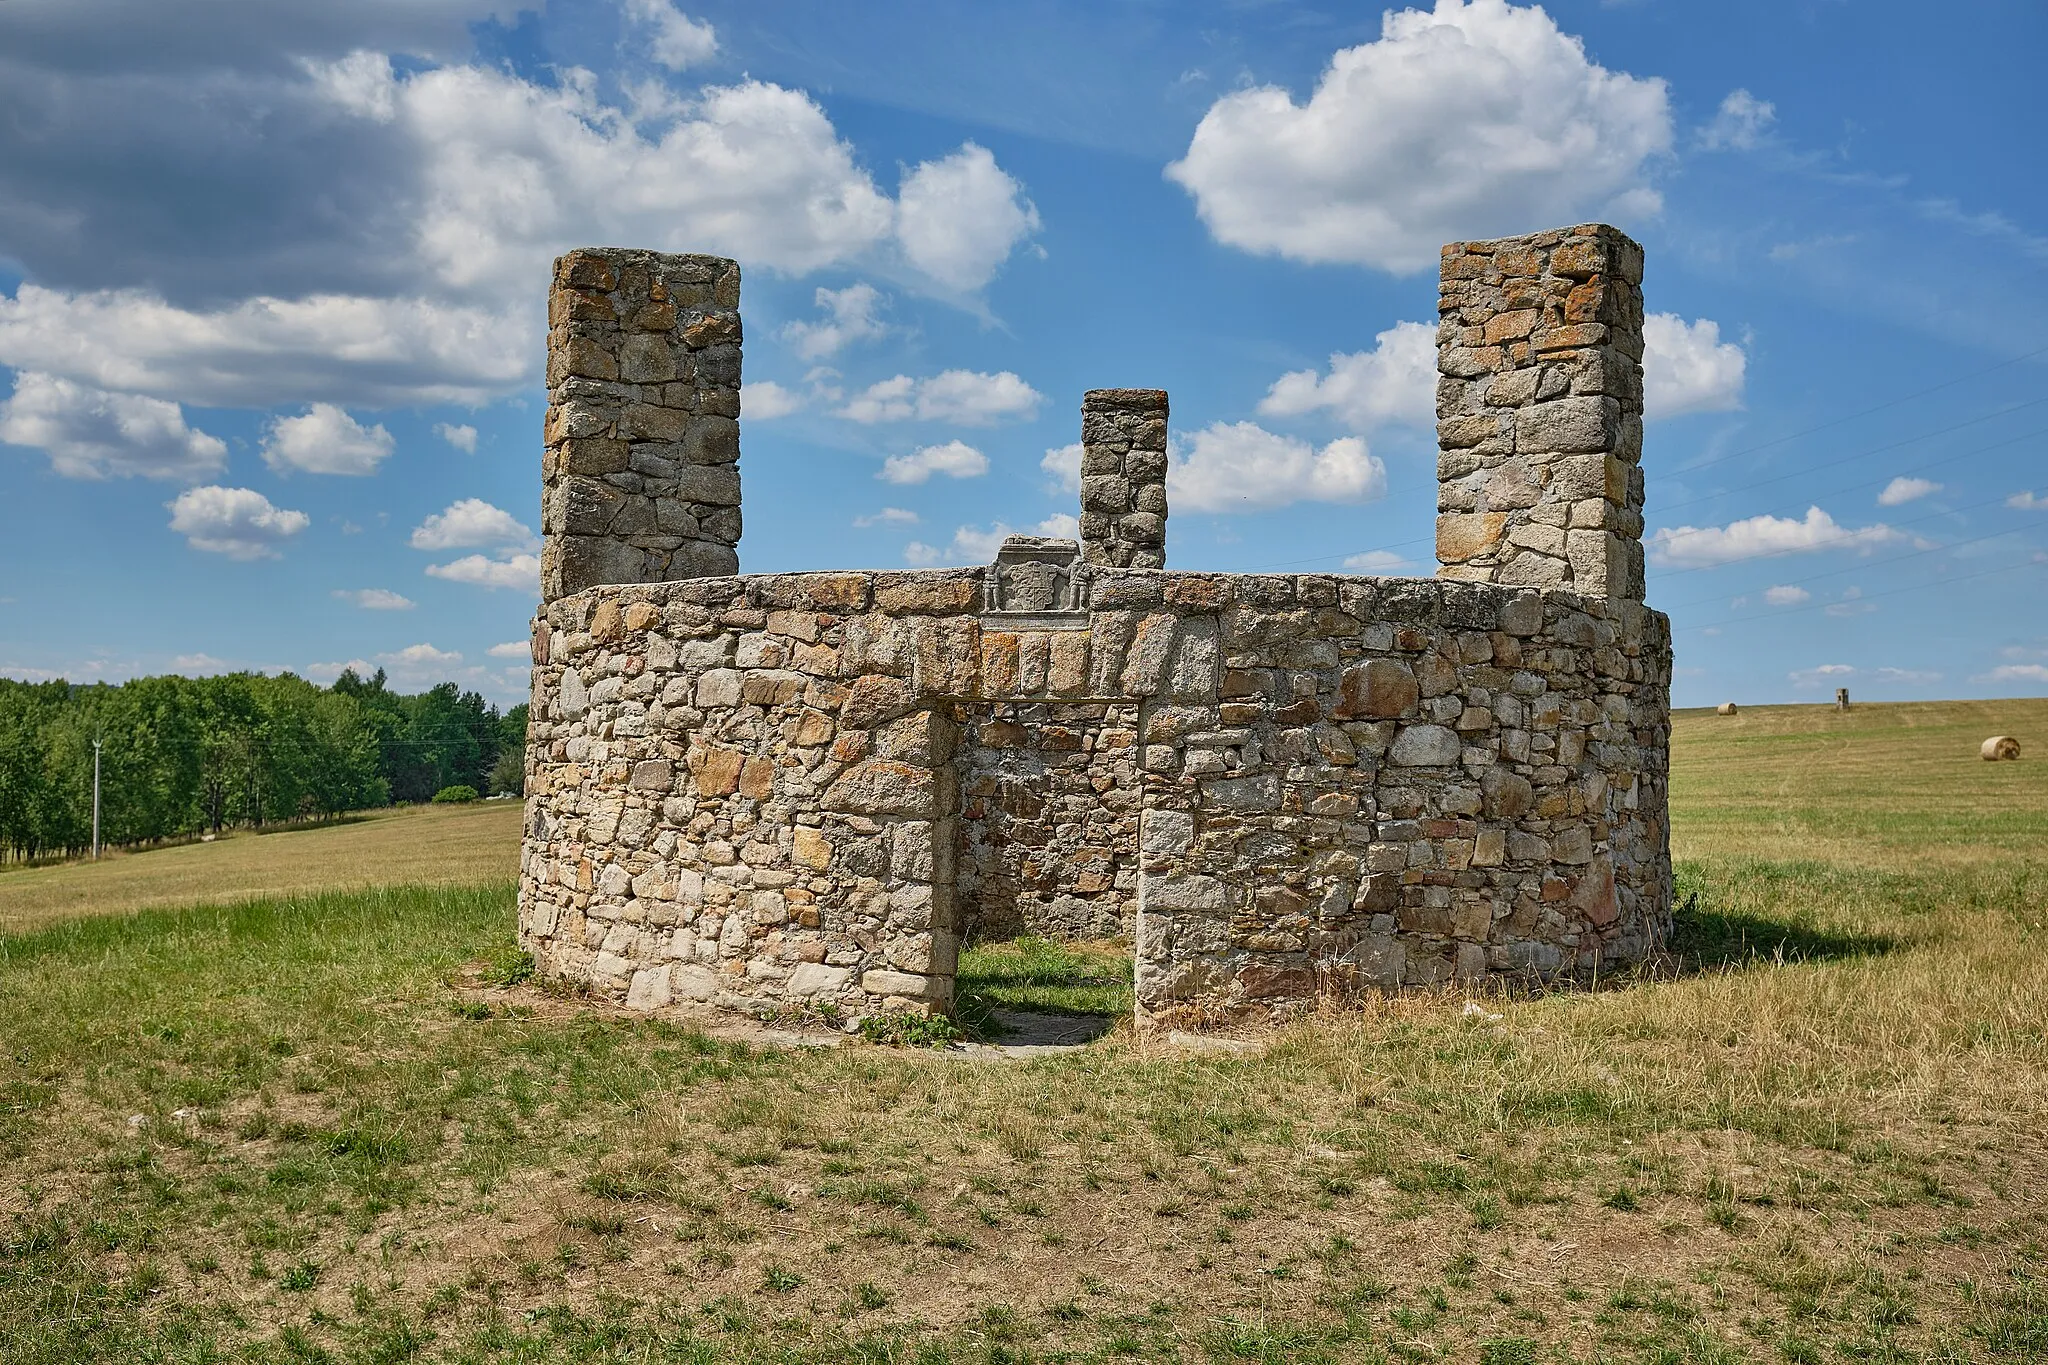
747	790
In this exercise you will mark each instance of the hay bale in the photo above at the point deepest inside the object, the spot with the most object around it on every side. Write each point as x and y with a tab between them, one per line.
1998	747
1726	708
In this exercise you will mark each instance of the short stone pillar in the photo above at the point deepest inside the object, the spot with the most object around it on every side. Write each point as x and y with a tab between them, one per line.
641	473
1539	406
1123	478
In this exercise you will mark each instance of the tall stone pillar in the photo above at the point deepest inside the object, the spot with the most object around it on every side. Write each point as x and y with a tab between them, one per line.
1123	478
1539	405
641	474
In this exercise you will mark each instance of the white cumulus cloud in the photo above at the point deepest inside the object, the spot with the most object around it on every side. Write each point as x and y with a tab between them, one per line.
1474	119
1904	490
1756	537
89	433
1688	368
888	516
1063	463
673	38
237	522
472	522
1826	675
375	599
848	316
969	397
2017	673
764	400
954	459
1739	124
513	571
2027	500
958	218
462	437
448	189
512	649
325	440
1393	382
1786	595
1242	467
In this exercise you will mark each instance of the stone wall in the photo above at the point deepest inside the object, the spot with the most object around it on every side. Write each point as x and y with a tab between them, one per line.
749	790
641	479
1539	410
1123	478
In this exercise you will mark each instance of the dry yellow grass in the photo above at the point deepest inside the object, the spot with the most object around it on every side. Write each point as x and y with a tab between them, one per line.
407	845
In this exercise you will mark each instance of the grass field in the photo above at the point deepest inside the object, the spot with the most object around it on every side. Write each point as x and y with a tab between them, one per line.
289	1130
407	845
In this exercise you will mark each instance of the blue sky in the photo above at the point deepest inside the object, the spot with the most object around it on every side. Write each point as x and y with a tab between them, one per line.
272	279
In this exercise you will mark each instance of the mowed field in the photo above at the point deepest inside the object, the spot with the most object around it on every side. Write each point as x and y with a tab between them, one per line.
317	1127
407	845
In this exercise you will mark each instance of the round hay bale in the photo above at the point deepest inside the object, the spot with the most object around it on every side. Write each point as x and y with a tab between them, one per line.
1999	747
1726	708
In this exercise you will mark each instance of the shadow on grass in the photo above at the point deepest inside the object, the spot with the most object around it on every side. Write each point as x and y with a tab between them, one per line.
1035	976
1704	940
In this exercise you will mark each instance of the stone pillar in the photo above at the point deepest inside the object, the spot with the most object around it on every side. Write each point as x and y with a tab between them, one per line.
1539	405
641	473
1123	478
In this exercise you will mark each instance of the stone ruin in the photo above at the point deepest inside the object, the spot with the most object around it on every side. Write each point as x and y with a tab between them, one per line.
798	793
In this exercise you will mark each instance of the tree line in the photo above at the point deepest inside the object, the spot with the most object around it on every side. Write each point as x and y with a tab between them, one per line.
182	756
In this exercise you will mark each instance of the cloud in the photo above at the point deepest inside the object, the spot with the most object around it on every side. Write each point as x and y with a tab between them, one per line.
2016	673
968	397
954	459
764	400
972	545
849	317
958	218
512	649
1740	124
388	225
463	438
1473	120
469	522
1906	675
375	599
1378	562
325	440
1688	368
1904	490
91	434
920	554
513	571
888	516
1827	675
1393	382
676	40
1786	595
1242	467
1063	463
237	522
2026	500
1756	537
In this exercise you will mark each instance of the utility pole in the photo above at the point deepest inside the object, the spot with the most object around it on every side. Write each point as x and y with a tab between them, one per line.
95	798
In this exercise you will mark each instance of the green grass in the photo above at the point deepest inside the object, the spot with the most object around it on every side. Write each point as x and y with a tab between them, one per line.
1052	978
290	1130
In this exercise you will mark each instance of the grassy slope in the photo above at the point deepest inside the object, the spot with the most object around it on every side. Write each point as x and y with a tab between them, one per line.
404	846
1833	1155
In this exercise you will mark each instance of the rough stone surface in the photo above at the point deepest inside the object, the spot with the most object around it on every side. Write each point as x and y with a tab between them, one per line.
800	792
1123	478
1539	406
641	480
